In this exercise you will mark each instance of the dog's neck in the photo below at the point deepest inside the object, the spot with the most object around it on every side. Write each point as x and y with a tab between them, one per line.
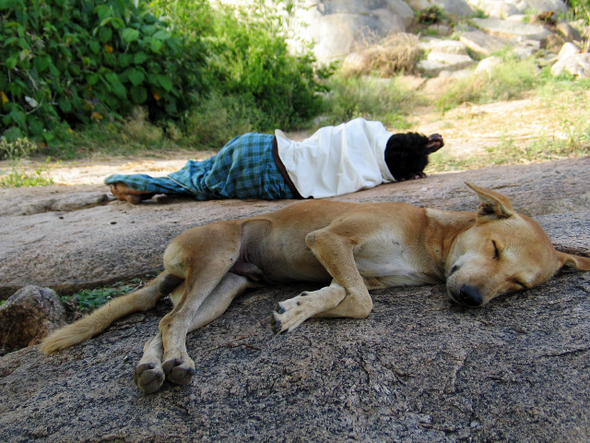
443	229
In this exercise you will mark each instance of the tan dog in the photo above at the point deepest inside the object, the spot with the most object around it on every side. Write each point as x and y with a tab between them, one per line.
353	247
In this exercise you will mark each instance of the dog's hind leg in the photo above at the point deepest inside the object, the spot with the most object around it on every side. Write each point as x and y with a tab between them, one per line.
149	374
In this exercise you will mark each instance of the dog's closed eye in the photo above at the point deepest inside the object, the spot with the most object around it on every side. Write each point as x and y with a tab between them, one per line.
496	250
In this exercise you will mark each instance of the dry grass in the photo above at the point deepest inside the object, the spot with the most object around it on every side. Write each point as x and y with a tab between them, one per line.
396	53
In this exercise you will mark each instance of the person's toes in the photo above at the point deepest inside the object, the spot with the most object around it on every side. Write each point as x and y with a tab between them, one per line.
116	192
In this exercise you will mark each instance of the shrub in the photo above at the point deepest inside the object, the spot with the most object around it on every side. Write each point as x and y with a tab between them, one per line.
65	62
386	100
250	60
509	80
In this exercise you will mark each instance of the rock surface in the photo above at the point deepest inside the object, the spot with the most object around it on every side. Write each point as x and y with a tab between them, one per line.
29	315
111	242
337	28
418	369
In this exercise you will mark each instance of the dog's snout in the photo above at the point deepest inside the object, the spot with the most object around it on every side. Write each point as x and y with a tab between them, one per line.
469	296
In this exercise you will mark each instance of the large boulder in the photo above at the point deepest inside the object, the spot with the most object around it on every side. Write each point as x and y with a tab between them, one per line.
417	369
338	27
114	241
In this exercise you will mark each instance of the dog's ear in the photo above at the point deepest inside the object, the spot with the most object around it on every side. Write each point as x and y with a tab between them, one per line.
494	206
573	261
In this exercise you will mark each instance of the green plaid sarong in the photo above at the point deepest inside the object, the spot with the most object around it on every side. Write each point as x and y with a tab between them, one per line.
243	168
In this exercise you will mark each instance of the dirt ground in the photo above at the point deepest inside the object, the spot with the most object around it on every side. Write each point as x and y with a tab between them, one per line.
467	130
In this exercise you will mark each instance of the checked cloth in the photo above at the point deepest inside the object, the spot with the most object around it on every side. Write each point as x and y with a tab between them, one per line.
243	168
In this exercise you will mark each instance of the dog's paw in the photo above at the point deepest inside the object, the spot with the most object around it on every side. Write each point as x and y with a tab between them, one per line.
289	314
149	377
179	370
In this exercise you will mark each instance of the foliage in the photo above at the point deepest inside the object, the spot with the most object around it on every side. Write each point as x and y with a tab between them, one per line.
250	61
580	8
18	149
507	81
19	177
385	100
65	62
88	300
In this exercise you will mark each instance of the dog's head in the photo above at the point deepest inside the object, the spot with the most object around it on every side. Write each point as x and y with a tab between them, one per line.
502	252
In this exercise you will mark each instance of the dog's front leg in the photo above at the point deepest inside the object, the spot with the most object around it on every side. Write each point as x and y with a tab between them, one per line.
291	313
347	295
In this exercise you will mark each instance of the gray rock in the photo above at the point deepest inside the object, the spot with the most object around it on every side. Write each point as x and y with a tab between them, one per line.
445	46
568	49
436	62
577	65
338	28
28	316
336	35
417	369
547	5
487	65
495	8
482	43
459	8
570	33
510	29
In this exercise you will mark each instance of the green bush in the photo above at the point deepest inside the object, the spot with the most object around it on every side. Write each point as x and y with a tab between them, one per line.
250	61
385	100
65	62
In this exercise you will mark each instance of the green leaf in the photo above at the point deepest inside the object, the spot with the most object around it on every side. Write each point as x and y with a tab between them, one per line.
139	58
35	125
18	117
138	94
103	12
48	136
11	62
171	106
94	46
117	23
116	86
13	134
10	41
162	35
105	34
41	63
130	35
135	76
65	105
10	4
156	45
92	79
149	29
165	82
125	59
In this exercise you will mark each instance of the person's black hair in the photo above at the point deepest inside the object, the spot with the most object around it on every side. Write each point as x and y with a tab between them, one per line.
406	155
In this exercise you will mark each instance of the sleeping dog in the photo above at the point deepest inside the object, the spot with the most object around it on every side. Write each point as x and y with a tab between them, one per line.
350	247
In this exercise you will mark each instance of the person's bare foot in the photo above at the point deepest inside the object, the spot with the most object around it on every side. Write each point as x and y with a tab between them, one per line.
436	142
125	193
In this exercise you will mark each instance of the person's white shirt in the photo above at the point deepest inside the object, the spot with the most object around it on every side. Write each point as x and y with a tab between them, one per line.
337	160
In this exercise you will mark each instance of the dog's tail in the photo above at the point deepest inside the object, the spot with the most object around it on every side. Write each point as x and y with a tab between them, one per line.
87	327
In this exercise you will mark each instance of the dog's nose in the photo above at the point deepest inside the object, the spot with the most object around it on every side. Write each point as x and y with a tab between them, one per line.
469	296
